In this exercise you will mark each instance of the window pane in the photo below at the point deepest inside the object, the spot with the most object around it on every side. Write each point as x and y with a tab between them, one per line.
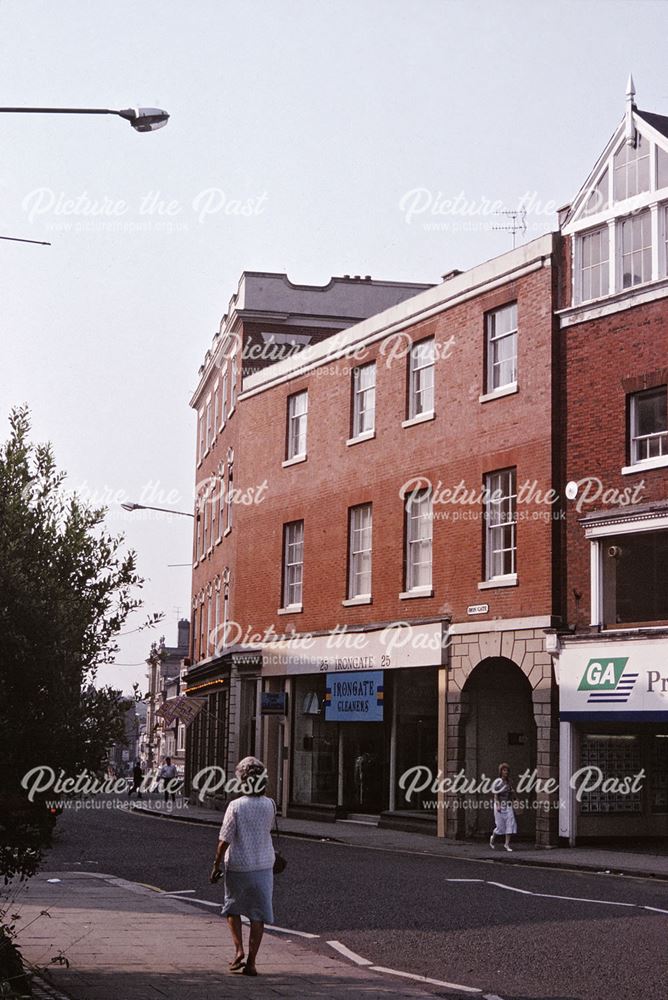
662	168
359	556
635	579
297	423
421	378
635	249
501	516
594	271
649	424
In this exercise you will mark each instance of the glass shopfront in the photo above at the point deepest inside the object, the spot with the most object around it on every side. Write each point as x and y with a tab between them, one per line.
339	760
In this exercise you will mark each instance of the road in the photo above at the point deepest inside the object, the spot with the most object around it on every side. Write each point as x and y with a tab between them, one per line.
470	922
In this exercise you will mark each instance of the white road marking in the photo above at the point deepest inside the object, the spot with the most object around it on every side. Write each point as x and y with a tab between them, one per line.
178	892
549	895
282	930
510	888
204	902
353	956
425	979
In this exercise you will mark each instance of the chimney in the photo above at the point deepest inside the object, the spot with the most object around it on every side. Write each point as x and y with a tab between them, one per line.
184	634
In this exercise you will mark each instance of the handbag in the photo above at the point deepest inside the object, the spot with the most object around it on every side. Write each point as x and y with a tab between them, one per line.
280	864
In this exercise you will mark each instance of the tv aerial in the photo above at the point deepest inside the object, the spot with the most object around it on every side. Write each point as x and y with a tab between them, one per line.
517	222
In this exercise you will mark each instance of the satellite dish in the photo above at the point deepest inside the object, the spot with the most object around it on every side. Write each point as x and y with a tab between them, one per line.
571	490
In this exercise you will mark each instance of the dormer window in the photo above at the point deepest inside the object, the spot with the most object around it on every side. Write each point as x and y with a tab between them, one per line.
631	169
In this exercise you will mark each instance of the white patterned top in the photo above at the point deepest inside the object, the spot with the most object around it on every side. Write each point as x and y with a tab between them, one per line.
247	829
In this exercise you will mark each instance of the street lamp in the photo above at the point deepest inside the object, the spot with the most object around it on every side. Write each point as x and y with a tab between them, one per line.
164	510
141	119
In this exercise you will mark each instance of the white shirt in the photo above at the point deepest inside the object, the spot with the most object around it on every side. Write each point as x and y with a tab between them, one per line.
247	829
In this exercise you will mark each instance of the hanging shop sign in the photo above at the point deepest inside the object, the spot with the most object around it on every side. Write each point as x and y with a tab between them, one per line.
354	697
614	680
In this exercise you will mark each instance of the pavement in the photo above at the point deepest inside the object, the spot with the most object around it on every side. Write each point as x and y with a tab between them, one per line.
636	860
97	937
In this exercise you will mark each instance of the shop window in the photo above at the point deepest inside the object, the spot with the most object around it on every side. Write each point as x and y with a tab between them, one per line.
648	416
635	578
501	347
617	757
316	746
659	773
421	378
364	399
500	524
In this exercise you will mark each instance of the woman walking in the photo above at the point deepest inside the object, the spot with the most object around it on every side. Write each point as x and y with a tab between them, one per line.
505	823
249	879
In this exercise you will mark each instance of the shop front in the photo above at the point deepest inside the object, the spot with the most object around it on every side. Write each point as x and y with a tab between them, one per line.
613	738
360	716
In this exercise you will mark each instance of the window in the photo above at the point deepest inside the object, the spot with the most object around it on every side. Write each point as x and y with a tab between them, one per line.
635	578
421	378
359	551
364	399
594	264
209	425
631	169
229	498
202	629
210	638
418	540
661	168
297	417
202	436
500	524
216	402
635	249
502	347
205	527
222	504
649	424
223	407
233	385
293	563
598	197
198	529
180	737
218	639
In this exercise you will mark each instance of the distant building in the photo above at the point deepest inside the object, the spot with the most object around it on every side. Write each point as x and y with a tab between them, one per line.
164	670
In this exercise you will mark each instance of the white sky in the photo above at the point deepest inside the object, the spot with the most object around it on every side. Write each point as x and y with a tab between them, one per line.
325	114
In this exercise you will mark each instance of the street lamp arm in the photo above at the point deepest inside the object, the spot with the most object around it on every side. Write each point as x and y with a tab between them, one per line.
141	119
163	510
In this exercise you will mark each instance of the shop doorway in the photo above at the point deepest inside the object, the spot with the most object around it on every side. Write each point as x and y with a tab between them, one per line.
363	775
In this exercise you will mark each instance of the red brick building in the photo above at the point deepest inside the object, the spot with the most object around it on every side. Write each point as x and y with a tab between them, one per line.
403	541
613	319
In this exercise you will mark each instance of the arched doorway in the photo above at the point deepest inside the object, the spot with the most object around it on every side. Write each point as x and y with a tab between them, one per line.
498	725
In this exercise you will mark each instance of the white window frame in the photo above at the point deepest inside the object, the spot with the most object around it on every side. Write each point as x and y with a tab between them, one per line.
604	264
223	407
364	400
493	339
633	162
639	216
504	480
229	504
216	404
297	429
233	386
221	504
209	425
201	434
415	371
421	499
662	436
293	543
360	550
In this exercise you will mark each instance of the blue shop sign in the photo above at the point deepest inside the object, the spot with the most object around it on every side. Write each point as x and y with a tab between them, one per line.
354	697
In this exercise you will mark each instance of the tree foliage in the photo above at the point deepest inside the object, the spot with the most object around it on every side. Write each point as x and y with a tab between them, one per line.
66	588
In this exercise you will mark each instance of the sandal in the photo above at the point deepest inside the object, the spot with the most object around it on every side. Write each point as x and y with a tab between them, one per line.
237	963
249	970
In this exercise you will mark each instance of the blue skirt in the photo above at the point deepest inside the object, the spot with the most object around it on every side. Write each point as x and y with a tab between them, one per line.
249	894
